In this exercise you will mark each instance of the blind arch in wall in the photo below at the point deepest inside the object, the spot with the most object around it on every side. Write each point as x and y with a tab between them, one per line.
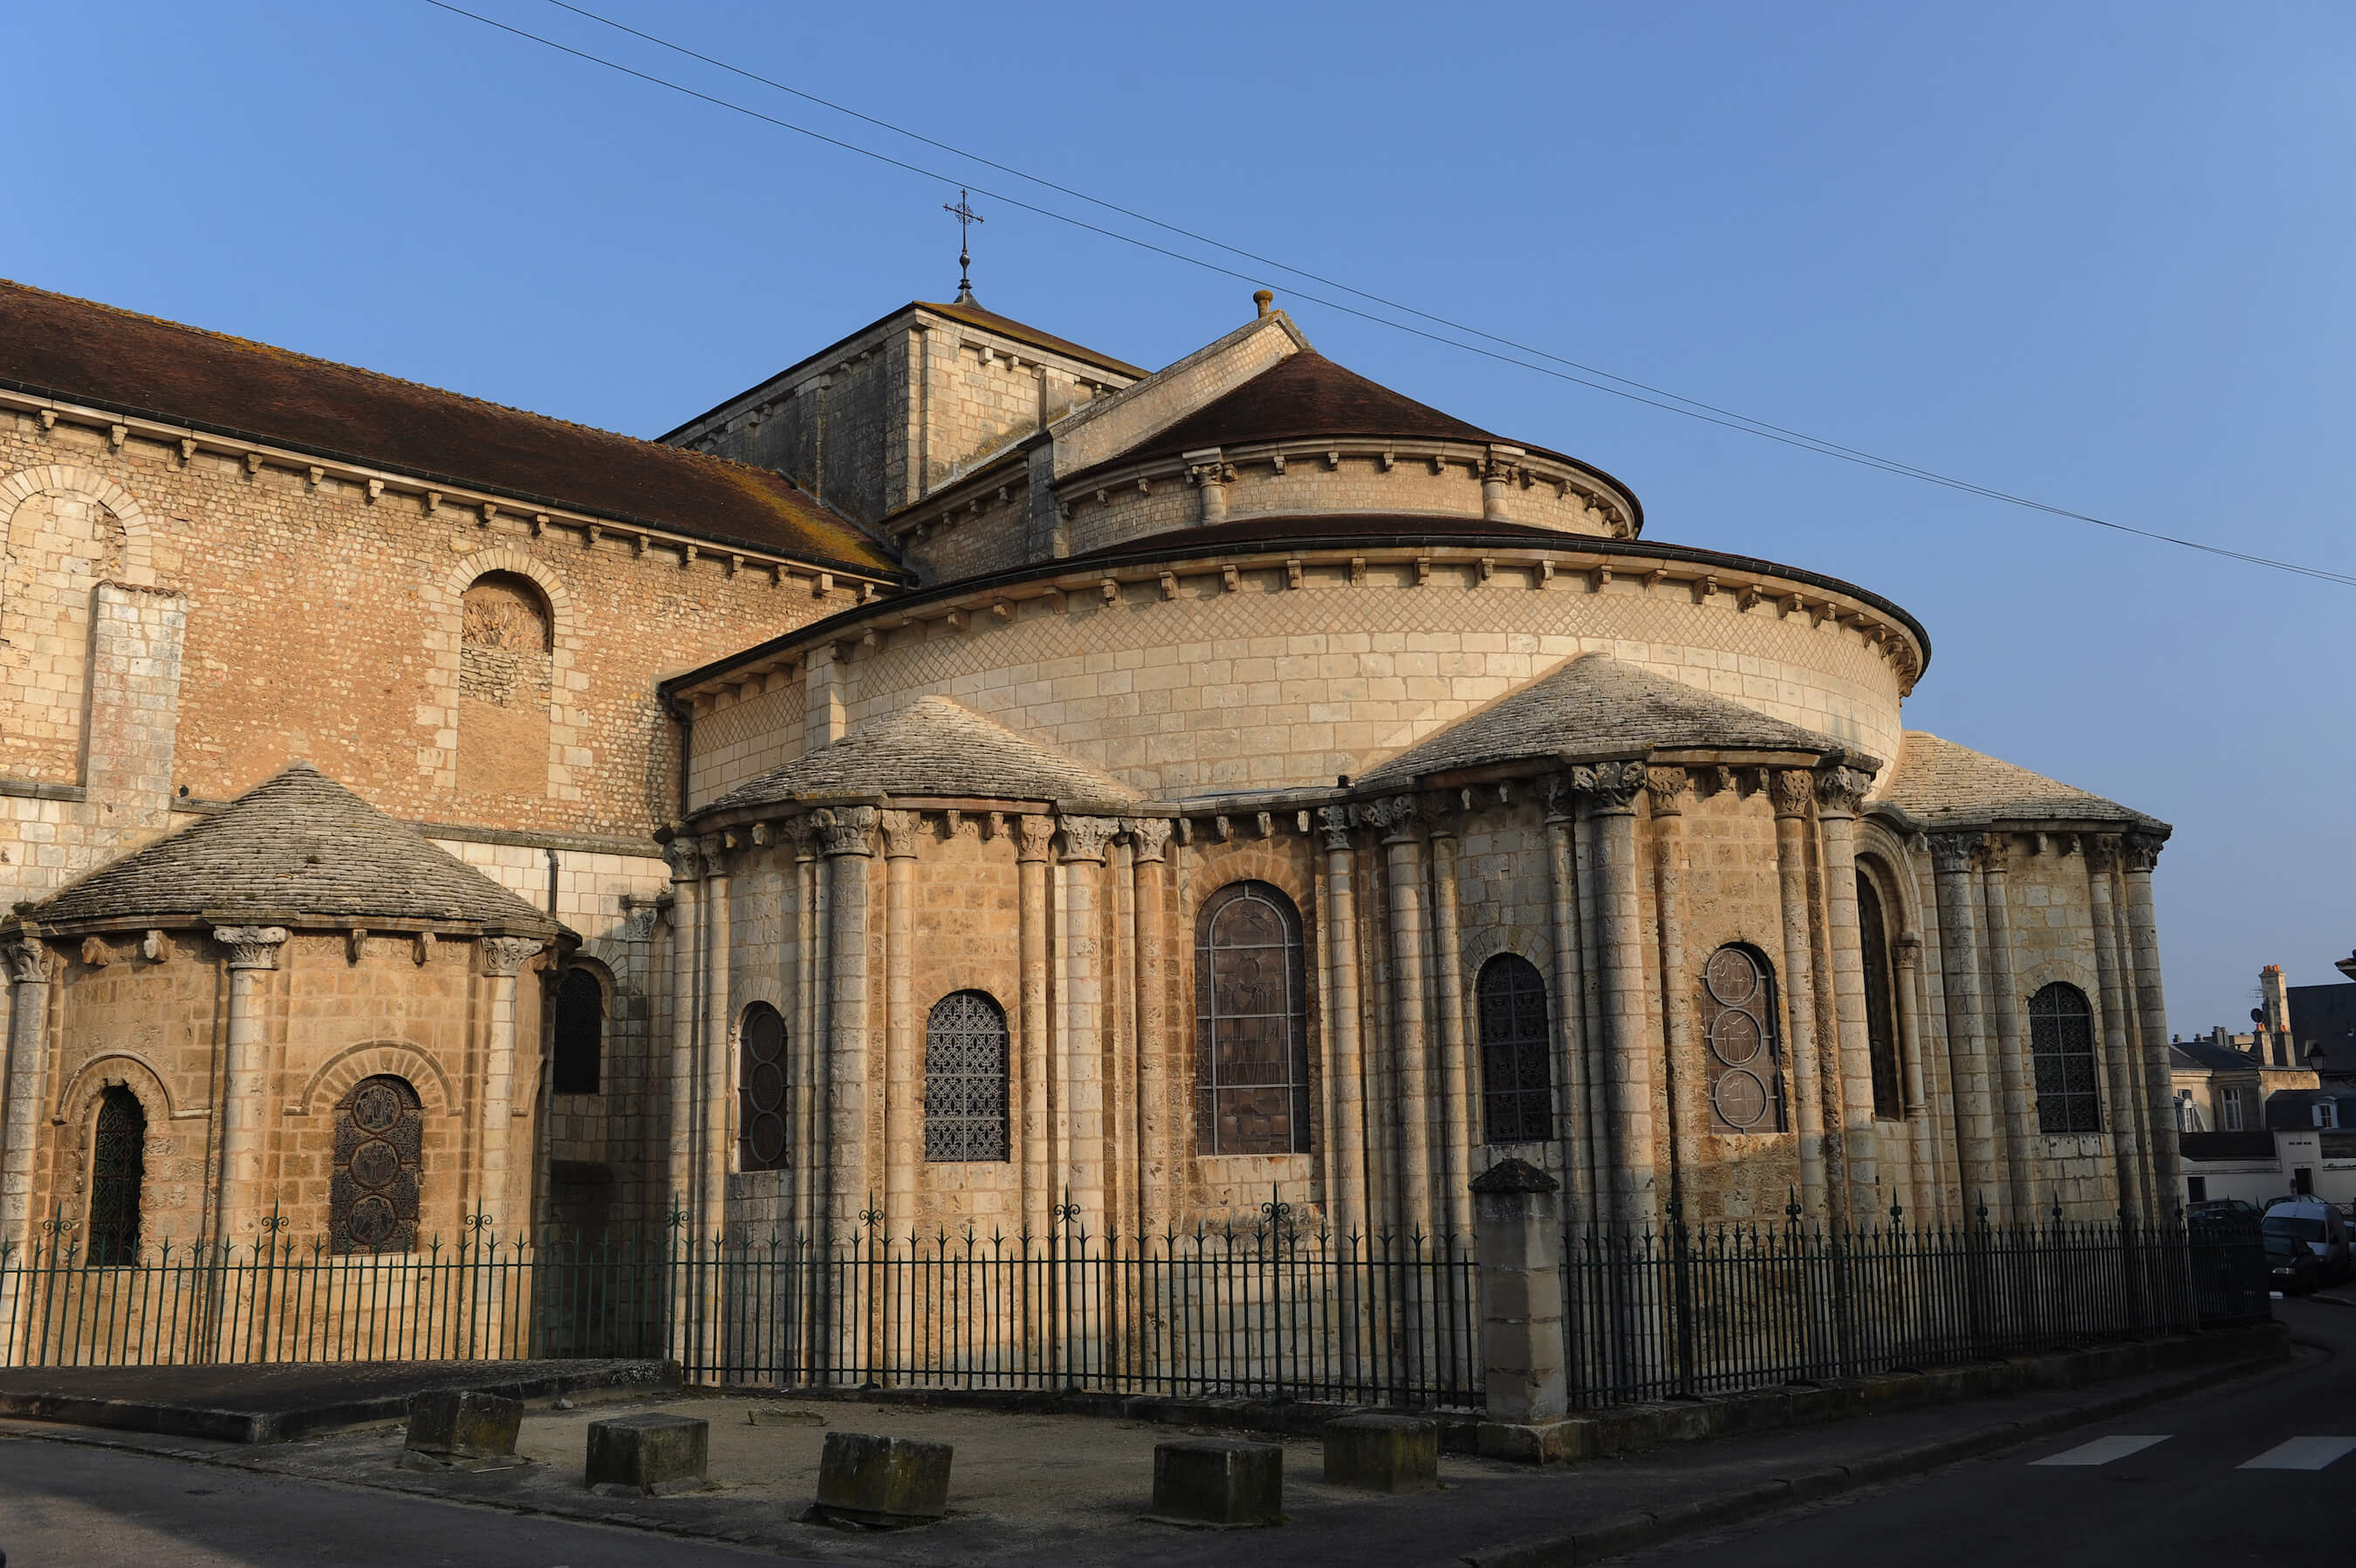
1516	1052
1881	1001
1251	1024
965	1079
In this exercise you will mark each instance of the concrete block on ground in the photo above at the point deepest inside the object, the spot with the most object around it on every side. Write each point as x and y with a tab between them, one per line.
867	1479
1218	1481
462	1429
648	1455
1383	1453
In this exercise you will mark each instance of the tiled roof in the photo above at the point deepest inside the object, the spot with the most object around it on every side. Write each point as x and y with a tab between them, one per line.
932	747
53	345
2207	1055
298	843
1939	783
1006	326
1596	705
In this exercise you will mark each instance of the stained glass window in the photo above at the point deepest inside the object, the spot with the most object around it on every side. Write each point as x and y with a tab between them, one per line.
1516	1052
379	1145
2062	1049
965	1079
1251	1026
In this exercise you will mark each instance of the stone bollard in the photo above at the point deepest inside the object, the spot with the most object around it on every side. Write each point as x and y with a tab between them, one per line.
1383	1454
1519	1236
866	1479
460	1429
648	1455
1219	1481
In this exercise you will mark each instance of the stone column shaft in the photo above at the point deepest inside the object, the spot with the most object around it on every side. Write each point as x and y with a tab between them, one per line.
718	1091
1037	1038
1925	1192
1455	1213
847	840
30	966
1403	887
2123	1086
1790	790
1079	1109
1345	1081
1982	1170
2151	1007
1571	1122
1611	789
903	1065
1668	787
252	953
1160	1106
686	1000
1840	791
2016	1090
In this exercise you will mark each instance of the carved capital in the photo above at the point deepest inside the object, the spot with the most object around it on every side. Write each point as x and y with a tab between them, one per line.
504	957
1333	821
794	833
1907	950
686	864
1085	837
1393	816
1952	853
1033	835
1790	790
2140	851
2102	851
251	947
1560	798
1841	791
1149	837
1668	787
1995	854
30	961
901	832
717	849
1610	786
844	830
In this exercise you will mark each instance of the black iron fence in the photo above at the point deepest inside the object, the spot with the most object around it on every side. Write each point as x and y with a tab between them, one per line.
1264	1311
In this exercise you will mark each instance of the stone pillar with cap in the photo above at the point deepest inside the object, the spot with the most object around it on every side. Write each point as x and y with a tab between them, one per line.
1345	1092
30	966
1611	789
1518	1234
1982	1174
2142	853
251	952
1079	1111
1395	816
503	959
847	841
1791	789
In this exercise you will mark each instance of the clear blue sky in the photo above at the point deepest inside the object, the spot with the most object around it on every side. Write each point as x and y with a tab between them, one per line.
2100	254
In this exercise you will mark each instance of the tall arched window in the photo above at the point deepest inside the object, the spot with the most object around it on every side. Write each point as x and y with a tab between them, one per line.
118	1170
379	1145
1251	1024
1881	1001
762	1144
505	671
1516	1052
965	1079
578	1048
1744	1068
2062	1047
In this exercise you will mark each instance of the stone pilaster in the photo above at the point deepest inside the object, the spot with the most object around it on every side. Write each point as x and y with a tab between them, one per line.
30	966
904	1076
1981	1168
1034	838
1668	788
1792	789
1611	789
1839	792
1161	1099
686	873
502	958
250	952
1079	1111
713	1156
846	836
1395	818
1345	1081
2015	1087
1574	1121
1454	1213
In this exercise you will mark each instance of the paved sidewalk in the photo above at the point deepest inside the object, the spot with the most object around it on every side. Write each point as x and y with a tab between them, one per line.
1064	1488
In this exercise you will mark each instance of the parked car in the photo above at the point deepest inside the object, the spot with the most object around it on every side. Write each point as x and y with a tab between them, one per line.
2291	1268
2219	1208
2314	1227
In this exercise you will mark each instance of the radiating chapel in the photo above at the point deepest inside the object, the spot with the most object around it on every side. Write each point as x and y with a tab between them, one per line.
968	779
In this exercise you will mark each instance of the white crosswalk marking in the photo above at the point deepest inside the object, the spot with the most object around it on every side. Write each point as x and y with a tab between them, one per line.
2101	1451
2301	1453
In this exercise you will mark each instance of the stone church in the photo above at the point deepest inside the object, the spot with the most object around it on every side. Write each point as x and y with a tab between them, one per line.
975	780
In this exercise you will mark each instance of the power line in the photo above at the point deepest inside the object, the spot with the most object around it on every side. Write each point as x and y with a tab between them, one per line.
1626	388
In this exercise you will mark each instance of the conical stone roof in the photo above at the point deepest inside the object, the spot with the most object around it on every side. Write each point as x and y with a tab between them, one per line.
298	844
932	747
1596	705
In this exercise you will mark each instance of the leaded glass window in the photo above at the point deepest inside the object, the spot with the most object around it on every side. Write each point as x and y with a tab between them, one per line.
2062	1049
1743	1062
379	1145
1516	1052
579	1043
965	1079
762	1144
1880	997
118	1170
1251	1024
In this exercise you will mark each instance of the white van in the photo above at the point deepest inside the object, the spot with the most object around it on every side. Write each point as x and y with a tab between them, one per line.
2316	1225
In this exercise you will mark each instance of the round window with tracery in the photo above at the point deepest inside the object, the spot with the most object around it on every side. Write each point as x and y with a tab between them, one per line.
1743	1071
373	1194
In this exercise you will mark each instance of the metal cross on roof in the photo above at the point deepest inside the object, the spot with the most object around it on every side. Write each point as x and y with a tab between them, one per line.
965	215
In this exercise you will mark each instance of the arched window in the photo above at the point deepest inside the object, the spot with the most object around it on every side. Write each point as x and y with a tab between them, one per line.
118	1170
1880	1003
1251	1024
505	669
965	1079
1516	1052
763	1140
577	1051
1744	1068
380	1144
2062	1049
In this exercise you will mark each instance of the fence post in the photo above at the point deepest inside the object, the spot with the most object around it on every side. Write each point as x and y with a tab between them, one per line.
1518	1232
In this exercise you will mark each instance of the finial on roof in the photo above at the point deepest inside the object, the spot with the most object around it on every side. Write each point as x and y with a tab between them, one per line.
966	216
1265	298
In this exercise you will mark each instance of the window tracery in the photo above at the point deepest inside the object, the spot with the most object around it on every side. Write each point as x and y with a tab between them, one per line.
1251	1030
2062	1051
1743	1067
372	1194
764	1138
1516	1052
965	1079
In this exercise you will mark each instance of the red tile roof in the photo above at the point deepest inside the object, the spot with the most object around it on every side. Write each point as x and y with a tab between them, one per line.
52	345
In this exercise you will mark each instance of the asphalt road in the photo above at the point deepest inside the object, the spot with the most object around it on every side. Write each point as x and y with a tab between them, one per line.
2216	1478
98	1507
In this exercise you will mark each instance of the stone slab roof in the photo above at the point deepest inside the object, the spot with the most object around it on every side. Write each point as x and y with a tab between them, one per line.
298	843
56	345
932	747
1596	705
1941	784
